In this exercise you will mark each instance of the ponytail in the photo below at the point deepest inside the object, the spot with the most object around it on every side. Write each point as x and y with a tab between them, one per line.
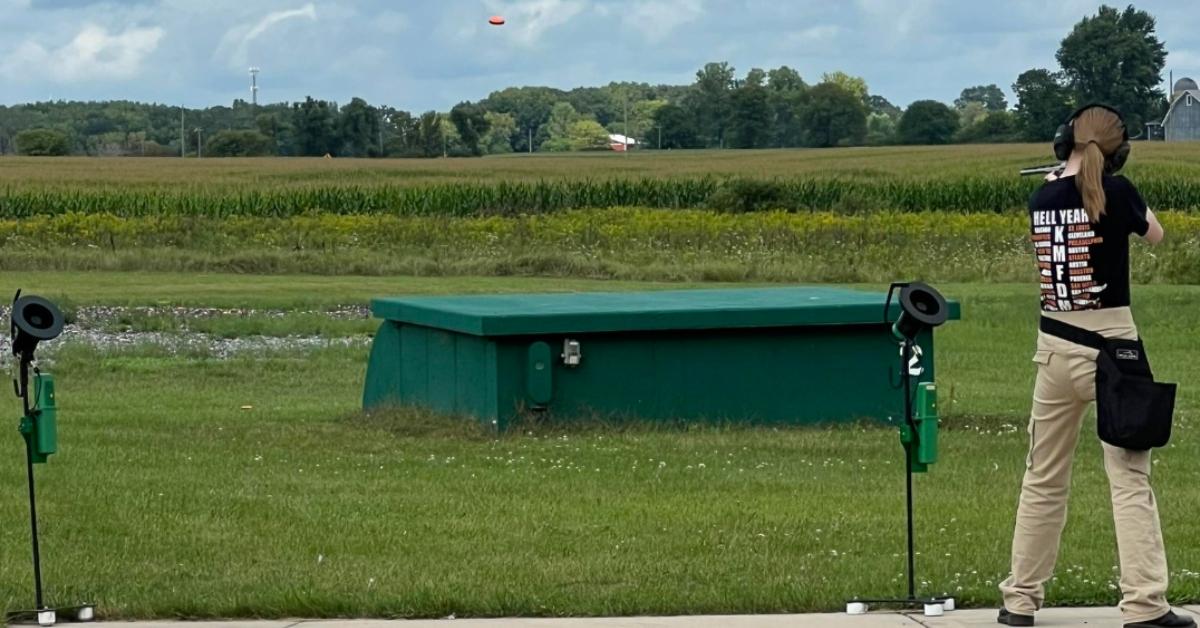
1090	180
1098	132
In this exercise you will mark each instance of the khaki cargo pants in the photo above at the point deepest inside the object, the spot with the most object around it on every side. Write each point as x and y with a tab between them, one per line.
1064	389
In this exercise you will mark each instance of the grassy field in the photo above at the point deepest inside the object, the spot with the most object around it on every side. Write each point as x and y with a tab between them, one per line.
957	178
170	500
200	482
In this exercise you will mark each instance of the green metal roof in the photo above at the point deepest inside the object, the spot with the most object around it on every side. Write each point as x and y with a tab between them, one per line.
581	312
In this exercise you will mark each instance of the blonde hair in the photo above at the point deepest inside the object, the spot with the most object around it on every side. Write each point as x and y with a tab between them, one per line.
1098	134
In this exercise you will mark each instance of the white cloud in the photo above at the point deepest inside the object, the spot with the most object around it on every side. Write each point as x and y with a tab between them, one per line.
894	22
813	35
656	19
391	22
235	45
528	20
94	54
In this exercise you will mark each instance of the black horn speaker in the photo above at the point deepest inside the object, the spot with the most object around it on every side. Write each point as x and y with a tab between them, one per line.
921	307
34	319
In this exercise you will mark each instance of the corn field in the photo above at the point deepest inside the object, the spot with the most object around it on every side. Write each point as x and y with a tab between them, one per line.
912	179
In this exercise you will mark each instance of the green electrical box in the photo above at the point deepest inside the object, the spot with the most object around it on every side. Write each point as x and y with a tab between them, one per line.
774	355
921	443
40	427
926	417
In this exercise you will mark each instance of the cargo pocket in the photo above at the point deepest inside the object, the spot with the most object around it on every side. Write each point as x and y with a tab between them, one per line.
1042	359
1032	436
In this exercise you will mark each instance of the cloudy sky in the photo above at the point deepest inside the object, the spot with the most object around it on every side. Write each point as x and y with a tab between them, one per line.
430	54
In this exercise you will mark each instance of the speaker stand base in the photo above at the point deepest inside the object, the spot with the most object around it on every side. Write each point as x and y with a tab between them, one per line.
931	606
50	616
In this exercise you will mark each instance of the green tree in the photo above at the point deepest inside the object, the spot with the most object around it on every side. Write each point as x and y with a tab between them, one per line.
881	129
402	134
1042	104
501	127
452	143
833	116
998	126
42	143
599	102
587	134
970	113
529	105
641	119
1114	57
879	104
785	79
267	124
927	122
853	84
431	138
471	123
677	127
711	104
991	97
359	124
750	126
786	93
244	143
315	122
558	127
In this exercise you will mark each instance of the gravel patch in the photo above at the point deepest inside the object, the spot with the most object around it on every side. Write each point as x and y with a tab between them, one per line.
99	315
89	323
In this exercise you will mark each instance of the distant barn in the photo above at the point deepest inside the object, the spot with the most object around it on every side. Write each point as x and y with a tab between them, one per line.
620	143
1182	122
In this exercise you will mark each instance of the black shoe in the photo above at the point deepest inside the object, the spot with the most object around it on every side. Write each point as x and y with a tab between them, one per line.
1170	620
1013	619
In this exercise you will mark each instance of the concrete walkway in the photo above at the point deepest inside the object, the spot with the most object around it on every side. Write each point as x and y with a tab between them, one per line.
1091	617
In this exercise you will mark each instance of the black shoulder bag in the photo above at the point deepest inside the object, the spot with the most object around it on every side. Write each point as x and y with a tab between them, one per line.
1132	410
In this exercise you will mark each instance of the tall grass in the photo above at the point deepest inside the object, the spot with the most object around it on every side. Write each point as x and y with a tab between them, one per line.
615	243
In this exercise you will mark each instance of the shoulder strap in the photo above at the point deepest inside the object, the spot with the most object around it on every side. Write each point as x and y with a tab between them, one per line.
1071	333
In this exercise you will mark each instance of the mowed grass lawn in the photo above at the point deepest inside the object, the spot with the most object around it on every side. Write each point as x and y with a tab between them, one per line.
170	500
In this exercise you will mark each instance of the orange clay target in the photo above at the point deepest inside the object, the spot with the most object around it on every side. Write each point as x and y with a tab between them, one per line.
496	21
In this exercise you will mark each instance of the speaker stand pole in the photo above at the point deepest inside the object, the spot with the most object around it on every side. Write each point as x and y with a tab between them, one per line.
33	524
933	606
906	379
40	613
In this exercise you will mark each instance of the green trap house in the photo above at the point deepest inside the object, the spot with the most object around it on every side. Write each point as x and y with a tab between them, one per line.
774	355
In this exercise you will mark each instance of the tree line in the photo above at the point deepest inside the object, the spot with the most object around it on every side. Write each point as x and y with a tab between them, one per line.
1113	56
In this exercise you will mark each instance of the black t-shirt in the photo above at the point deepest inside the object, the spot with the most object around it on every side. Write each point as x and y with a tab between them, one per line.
1084	265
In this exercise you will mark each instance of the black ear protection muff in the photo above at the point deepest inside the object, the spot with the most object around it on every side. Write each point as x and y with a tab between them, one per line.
1064	140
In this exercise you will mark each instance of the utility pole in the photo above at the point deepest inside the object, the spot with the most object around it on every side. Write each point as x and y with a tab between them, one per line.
182	135
626	140
530	140
199	142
